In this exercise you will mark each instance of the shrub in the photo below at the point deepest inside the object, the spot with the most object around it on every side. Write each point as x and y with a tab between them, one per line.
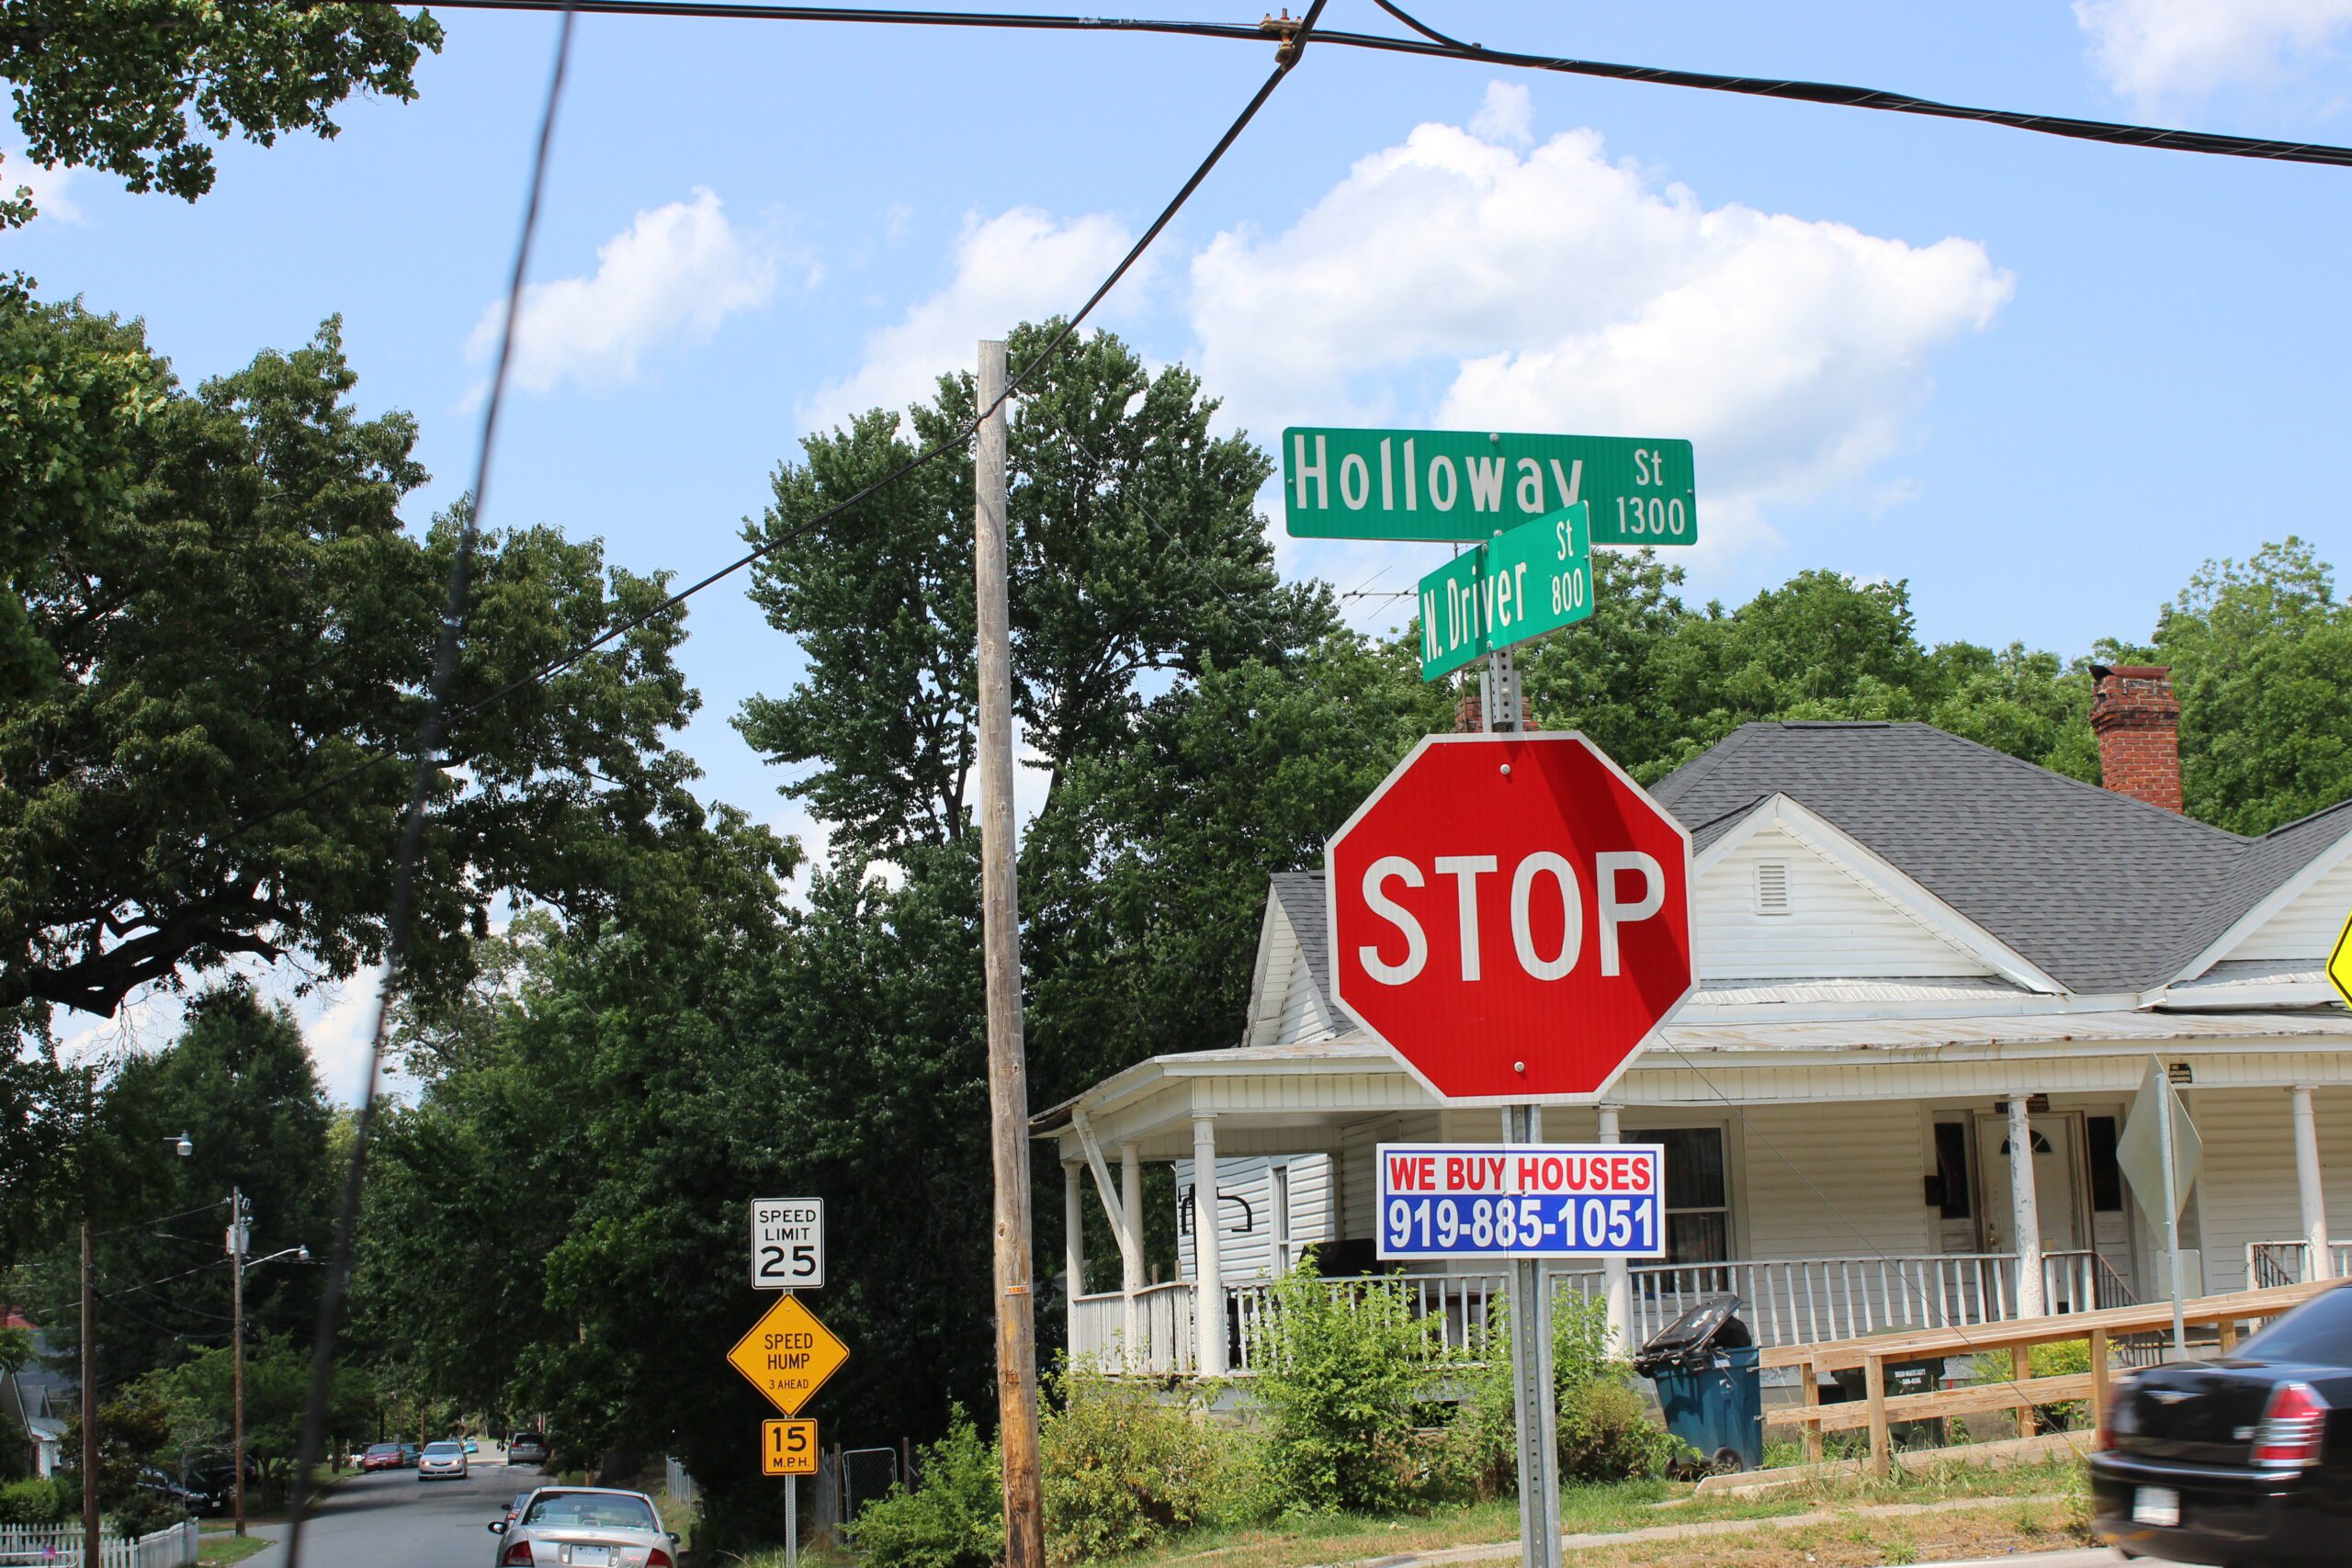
1125	1469
34	1502
1341	1365
1605	1432
2068	1357
144	1513
954	1514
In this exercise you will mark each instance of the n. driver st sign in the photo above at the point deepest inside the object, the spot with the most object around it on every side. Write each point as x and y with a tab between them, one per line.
1510	915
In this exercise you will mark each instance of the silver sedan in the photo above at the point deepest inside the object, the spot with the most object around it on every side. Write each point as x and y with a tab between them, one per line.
586	1527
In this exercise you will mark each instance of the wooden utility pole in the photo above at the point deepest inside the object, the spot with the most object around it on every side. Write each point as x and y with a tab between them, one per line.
90	1548
237	1239
1016	1326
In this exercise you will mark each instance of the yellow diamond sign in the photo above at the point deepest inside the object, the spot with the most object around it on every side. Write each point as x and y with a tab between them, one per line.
788	1354
2339	963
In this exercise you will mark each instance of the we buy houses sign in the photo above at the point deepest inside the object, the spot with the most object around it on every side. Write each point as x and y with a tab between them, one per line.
1511	915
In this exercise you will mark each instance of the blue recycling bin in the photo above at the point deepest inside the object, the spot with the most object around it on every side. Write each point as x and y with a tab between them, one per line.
1710	1384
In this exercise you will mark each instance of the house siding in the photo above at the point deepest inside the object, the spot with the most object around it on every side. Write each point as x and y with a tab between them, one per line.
1835	928
1867	1161
1249	1255
2307	928
2245	1185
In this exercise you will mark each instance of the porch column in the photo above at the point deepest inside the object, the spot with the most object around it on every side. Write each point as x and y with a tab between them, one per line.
2025	1214
1131	1249
2309	1188
1617	1279
1208	1278
1073	1247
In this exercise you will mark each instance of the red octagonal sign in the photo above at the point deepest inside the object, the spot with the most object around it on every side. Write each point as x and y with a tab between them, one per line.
1510	914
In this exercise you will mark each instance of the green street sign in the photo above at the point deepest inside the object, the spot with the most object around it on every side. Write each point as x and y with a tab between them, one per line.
1535	578
1465	485
1454	616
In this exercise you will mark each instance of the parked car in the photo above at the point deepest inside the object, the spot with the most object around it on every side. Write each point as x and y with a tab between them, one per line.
382	1456
162	1485
586	1527
2246	1459
445	1460
472	1448
526	1448
408	1456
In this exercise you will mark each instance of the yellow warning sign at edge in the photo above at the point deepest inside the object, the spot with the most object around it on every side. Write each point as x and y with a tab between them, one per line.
788	1354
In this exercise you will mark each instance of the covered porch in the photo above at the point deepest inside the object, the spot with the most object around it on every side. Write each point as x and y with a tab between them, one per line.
1844	1178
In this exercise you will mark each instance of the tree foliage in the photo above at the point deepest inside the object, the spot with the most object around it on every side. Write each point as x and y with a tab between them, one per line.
135	86
214	621
2261	655
1134	552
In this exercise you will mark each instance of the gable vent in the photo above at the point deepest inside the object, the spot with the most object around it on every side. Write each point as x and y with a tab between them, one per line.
1772	887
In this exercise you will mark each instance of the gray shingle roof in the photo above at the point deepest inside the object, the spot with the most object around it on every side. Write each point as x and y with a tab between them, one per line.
1300	893
2105	892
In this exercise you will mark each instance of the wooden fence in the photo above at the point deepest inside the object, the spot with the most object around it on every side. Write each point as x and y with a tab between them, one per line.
2021	1392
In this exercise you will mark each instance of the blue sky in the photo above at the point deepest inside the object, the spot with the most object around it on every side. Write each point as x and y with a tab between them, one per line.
2040	379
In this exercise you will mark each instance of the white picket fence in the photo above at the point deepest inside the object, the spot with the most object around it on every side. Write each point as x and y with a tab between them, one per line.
60	1546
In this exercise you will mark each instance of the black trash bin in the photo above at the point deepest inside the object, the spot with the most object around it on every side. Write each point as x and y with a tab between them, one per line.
1709	1385
1901	1378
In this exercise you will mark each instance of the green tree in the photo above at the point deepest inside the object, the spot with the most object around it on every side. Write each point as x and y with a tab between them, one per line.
223	620
1136	552
2260	651
133	86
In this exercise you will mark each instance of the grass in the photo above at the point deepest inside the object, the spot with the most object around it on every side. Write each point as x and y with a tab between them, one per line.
2030	1508
220	1548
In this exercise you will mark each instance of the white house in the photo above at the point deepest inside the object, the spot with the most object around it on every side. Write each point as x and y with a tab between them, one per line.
1910	949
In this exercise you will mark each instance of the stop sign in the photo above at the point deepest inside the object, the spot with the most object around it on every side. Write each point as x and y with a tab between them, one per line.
1510	915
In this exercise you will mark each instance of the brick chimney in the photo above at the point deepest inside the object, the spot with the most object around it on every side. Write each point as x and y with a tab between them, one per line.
2137	720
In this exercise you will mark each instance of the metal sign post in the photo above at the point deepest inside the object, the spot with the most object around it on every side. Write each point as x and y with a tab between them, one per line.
1536	1404
2172	1211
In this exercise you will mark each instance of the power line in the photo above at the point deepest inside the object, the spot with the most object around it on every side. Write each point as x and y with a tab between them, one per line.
1435	45
444	671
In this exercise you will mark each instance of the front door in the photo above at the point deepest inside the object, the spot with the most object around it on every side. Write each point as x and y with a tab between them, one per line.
2057	1198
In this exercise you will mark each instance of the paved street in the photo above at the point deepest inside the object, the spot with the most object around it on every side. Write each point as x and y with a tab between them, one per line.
391	1520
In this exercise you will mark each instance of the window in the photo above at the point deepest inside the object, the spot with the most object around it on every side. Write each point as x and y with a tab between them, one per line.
2107	1176
1772	887
1279	1202
2318	1332
591	1510
1953	1195
1697	1197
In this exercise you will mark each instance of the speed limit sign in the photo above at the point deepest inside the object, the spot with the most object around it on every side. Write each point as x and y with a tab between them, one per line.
787	1243
787	1448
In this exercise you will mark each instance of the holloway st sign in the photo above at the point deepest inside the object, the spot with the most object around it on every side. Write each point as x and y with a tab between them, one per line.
1466	485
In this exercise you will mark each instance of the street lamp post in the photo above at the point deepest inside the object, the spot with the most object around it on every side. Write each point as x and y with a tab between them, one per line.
240	1243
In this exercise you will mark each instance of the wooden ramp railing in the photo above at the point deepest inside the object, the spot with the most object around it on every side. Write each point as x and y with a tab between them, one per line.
2023	1392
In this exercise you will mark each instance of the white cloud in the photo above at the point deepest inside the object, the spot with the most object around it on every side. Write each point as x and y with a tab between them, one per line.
667	280
1458	282
1019	266
49	186
2158	49
1506	116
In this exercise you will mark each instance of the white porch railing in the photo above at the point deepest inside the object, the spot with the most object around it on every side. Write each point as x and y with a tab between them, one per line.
1797	1300
1165	1342
1457	1309
2269	1263
61	1545
1784	1302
